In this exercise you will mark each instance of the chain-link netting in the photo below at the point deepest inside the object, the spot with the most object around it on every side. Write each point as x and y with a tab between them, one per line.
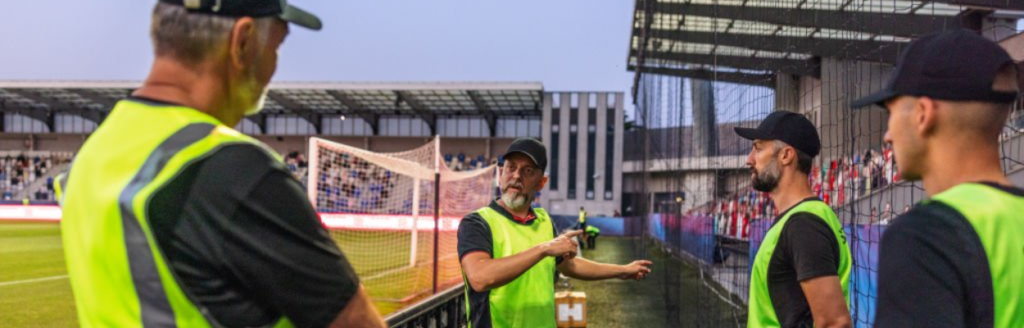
705	67
381	209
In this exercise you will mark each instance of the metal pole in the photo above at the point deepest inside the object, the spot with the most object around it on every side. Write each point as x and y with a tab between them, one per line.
437	221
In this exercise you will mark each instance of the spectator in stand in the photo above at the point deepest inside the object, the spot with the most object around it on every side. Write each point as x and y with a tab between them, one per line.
877	163
887	214
866	172
461	161
889	164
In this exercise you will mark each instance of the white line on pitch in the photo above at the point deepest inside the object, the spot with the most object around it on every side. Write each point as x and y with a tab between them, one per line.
28	281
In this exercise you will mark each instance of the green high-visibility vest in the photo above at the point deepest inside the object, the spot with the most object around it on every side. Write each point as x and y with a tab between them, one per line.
529	300
998	219
761	312
118	272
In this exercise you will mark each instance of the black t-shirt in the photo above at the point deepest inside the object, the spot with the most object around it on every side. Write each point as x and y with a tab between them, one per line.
241	238
807	248
475	236
933	271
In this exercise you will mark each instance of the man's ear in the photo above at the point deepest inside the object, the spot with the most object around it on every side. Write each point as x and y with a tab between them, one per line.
242	43
786	155
925	115
543	182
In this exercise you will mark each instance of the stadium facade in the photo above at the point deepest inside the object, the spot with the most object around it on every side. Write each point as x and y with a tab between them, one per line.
584	134
478	120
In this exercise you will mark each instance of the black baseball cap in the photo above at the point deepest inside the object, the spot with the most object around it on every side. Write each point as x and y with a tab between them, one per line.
957	65
789	127
252	8
532	148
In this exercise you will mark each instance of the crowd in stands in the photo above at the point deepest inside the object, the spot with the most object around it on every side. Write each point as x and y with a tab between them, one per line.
19	171
296	163
461	162
849	178
350	184
843	180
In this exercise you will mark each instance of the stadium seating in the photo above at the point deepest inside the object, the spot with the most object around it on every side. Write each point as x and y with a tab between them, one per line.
297	164
844	180
345	197
461	162
20	170
347	190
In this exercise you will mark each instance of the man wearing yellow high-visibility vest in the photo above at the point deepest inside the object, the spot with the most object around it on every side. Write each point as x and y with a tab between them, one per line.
510	253
581	224
956	259
174	219
801	273
58	187
582	221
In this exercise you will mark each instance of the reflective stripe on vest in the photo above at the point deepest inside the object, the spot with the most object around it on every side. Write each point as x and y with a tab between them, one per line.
529	300
761	311
118	273
58	187
998	219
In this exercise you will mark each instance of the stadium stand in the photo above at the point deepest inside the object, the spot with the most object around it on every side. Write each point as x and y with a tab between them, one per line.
703	67
844	181
30	174
461	162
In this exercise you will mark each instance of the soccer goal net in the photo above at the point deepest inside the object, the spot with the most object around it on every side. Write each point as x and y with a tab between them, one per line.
381	209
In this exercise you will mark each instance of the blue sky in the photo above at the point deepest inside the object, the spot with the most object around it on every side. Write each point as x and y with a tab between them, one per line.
569	45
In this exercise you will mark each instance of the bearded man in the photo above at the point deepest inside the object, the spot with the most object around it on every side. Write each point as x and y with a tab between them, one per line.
510	252
801	274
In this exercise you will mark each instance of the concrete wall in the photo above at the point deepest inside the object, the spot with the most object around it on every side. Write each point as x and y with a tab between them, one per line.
43	142
843	81
808	91
705	122
787	92
700	187
826	102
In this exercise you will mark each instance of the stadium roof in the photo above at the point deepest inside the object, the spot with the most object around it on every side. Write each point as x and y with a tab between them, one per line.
749	41
93	100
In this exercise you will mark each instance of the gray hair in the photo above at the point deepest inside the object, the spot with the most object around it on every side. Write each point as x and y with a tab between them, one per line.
191	37
804	162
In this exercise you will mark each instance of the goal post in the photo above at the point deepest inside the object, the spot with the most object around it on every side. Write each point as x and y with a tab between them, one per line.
395	215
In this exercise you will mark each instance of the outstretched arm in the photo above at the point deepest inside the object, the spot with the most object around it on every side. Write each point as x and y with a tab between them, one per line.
584	269
485	273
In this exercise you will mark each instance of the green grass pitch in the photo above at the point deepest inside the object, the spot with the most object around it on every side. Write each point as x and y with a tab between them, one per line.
34	289
35	292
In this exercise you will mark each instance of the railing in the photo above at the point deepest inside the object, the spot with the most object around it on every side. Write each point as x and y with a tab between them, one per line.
446	309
